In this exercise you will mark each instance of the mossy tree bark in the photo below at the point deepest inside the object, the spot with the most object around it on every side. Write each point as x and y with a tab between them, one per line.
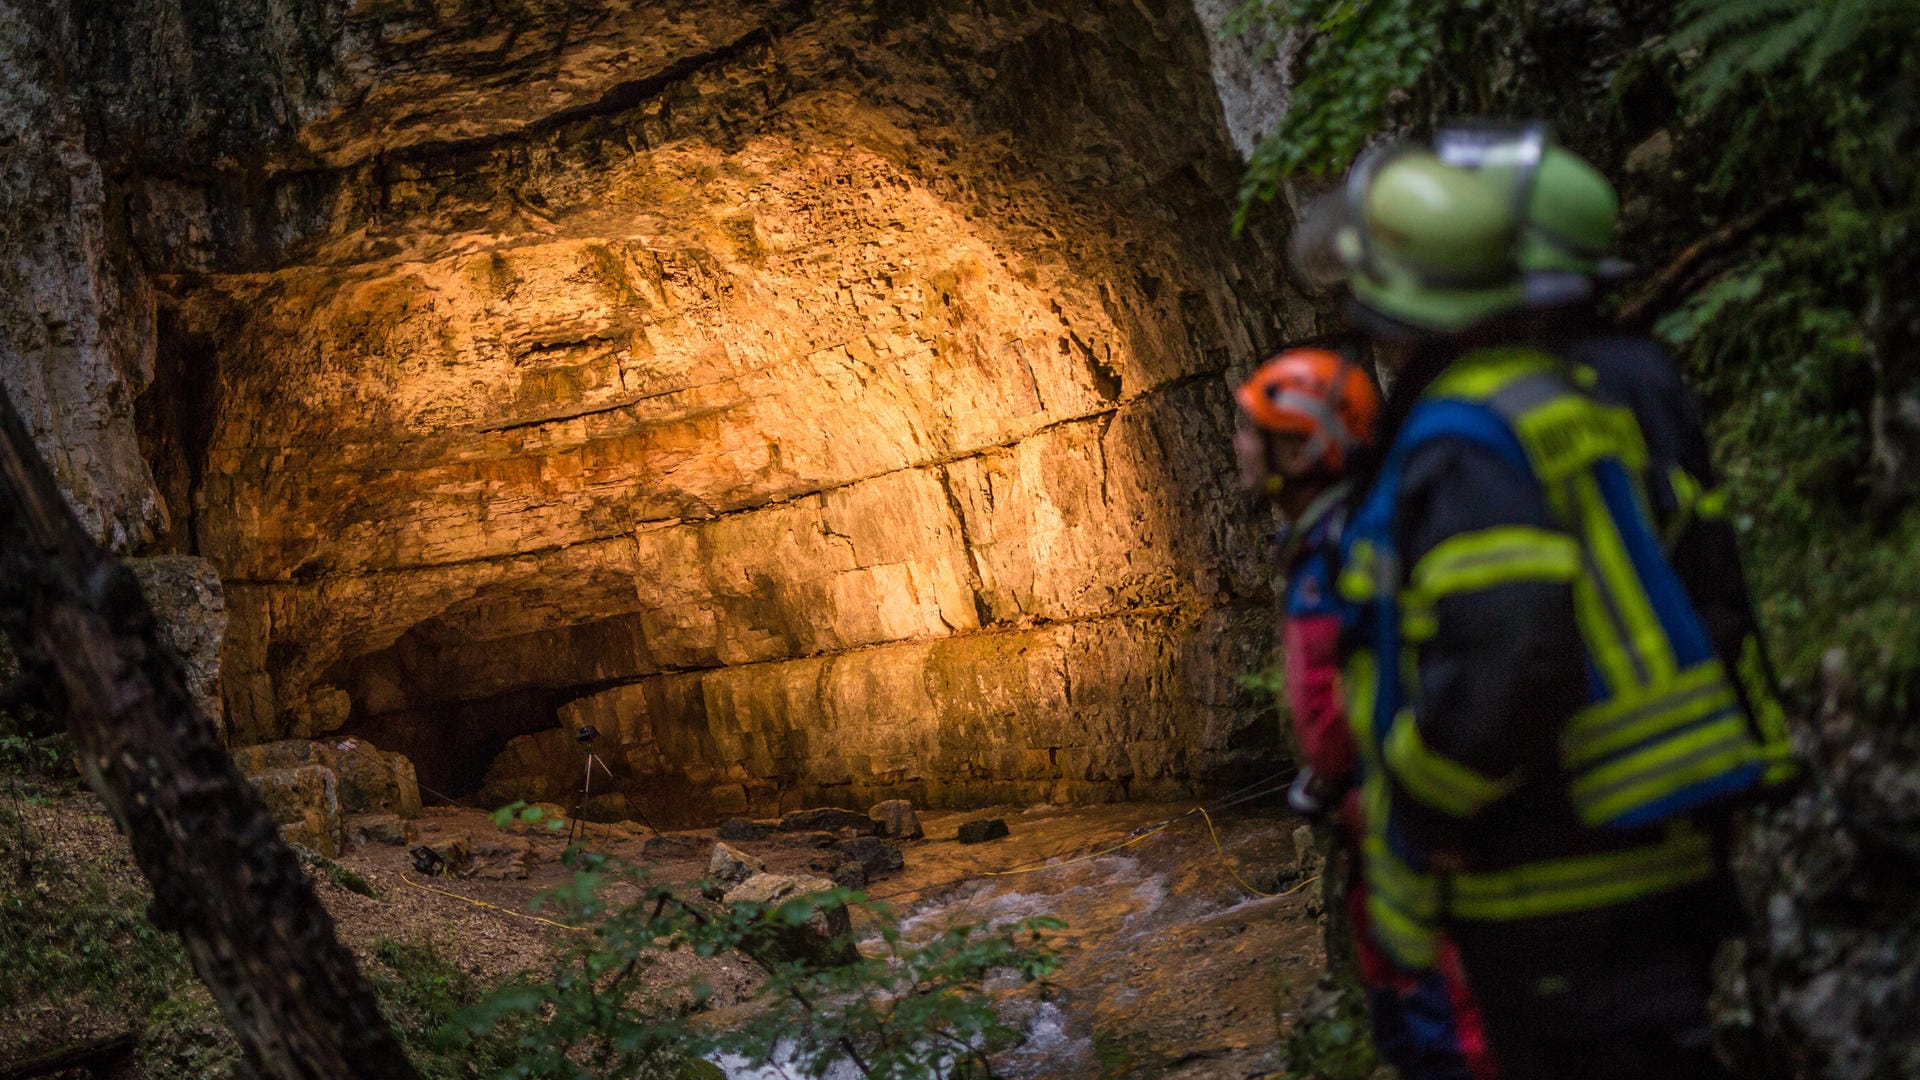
222	877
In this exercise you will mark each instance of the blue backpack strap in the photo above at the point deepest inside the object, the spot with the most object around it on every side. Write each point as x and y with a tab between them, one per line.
1443	418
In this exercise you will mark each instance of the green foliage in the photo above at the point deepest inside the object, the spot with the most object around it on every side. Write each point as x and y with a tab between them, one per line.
913	1010
1270	679
76	937
1780	350
1332	1039
1808	101
1360	56
1759	38
25	751
521	812
421	994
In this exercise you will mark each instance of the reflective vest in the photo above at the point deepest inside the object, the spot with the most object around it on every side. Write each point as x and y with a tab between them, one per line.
1663	732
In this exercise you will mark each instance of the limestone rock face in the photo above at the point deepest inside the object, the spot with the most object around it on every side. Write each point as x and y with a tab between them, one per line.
102	109
829	401
185	595
829	404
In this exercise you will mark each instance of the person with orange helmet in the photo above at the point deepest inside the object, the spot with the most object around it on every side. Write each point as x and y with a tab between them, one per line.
1306	412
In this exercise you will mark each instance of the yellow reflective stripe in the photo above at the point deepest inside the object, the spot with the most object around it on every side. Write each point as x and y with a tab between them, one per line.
1602	638
1695	502
1769	716
1585	882
1481	560
1686	498
1644	639
1479	375
1360	689
1497	556
1435	779
1412	944
1404	904
1641	714
1356	577
1662	768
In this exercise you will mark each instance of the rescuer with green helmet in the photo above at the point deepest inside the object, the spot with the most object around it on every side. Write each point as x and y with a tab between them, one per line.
1565	254
1548	732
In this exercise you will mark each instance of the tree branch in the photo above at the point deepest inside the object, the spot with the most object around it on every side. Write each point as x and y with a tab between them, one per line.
1666	285
222	877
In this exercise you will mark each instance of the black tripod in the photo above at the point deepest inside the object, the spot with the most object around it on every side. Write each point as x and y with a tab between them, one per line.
576	824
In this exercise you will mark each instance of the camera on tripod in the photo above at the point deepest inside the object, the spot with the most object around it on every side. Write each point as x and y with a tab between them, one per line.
586	733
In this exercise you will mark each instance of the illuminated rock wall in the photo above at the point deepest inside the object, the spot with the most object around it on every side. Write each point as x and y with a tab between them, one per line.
828	400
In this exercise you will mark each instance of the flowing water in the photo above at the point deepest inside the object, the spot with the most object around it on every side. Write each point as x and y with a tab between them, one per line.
1172	967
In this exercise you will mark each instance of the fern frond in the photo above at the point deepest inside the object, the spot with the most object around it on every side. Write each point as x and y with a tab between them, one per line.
1843	28
1774	45
1704	21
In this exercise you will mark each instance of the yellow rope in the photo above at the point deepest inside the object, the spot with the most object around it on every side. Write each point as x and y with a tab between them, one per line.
492	907
1225	858
1081	858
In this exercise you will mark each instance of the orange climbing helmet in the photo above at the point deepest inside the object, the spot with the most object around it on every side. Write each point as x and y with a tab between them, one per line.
1315	393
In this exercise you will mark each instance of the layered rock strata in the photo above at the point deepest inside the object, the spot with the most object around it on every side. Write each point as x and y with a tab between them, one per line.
828	401
815	398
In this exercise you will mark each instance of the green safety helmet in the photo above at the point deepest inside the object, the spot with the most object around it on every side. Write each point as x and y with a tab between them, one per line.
1571	211
1429	246
1568	208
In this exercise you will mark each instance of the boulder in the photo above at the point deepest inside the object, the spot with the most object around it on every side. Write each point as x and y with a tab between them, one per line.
731	866
546	766
498	856
388	829
848	875
371	780
491	854
897	820
305	800
743	829
673	846
606	809
827	937
979	832
827	818
876	857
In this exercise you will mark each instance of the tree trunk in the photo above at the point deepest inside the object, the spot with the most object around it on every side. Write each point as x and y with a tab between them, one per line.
222	877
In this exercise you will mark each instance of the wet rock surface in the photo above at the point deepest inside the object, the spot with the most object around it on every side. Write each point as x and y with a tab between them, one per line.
1171	969
1831	973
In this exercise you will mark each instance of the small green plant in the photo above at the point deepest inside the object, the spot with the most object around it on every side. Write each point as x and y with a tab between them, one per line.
1331	1039
1760	37
77	937
913	1009
1359	58
422	993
